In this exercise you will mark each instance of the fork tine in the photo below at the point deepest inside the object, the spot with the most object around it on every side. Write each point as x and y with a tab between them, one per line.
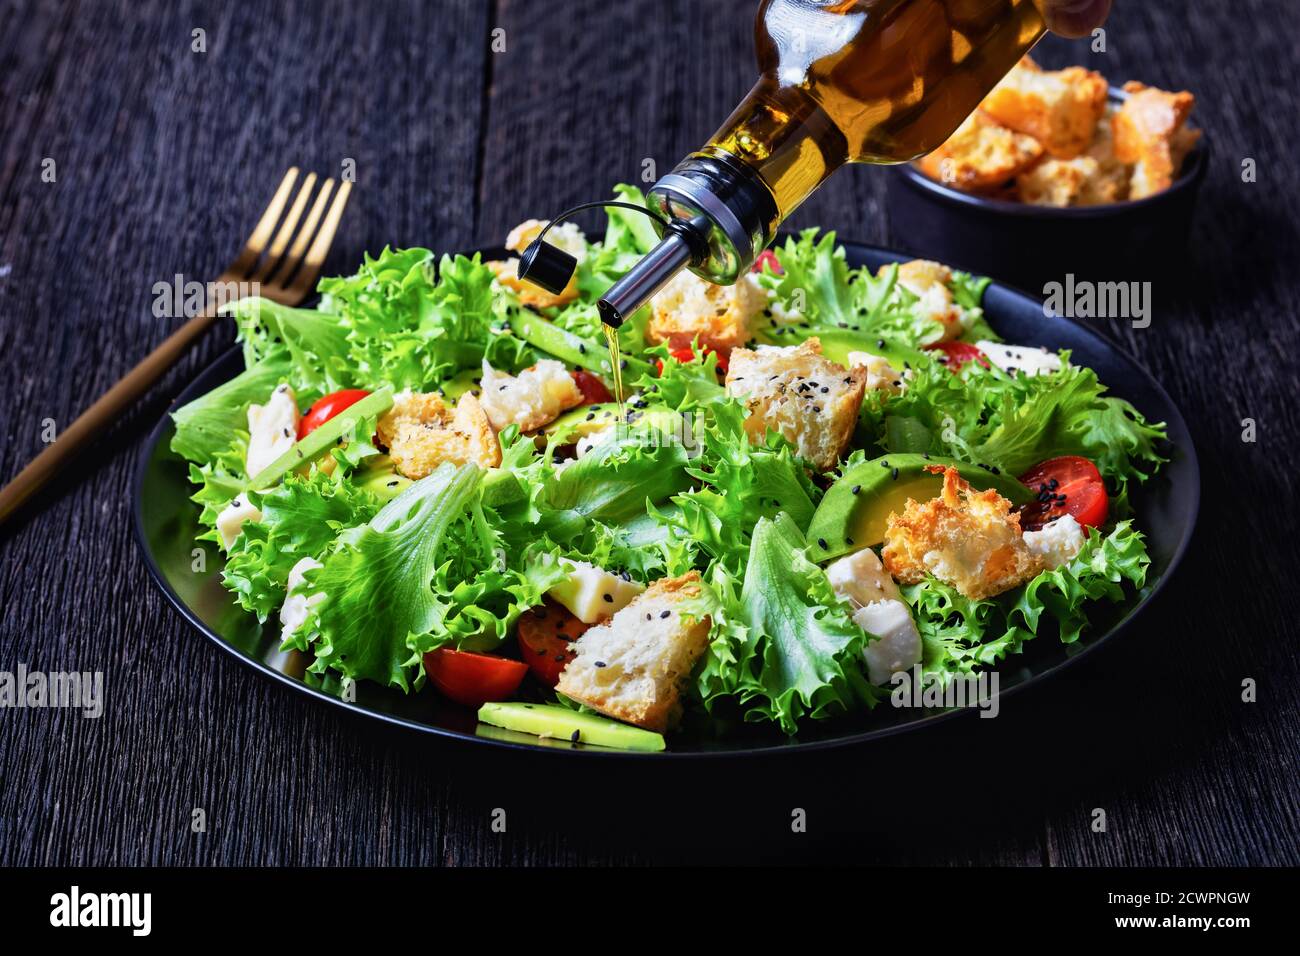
287	227
290	263
321	246
257	239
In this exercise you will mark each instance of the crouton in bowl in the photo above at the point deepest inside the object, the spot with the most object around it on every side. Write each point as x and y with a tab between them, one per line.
1057	173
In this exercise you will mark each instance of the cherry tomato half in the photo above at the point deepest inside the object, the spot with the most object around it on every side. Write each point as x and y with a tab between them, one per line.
327	407
545	633
957	354
1069	485
767	258
473	679
592	388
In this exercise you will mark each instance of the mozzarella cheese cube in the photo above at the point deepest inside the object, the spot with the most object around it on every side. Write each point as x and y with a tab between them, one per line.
1058	542
592	594
297	606
880	374
530	400
1020	358
272	429
897	645
232	518
862	579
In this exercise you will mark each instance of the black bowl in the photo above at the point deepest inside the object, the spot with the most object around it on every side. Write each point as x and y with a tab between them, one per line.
1030	245
166	524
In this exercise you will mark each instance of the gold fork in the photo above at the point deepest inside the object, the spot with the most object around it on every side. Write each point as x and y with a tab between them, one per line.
263	266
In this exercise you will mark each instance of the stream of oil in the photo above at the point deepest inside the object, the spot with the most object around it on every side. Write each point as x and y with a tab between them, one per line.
616	372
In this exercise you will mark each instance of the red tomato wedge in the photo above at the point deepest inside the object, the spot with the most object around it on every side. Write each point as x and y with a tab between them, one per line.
327	407
767	258
957	354
592	388
545	633
1069	485
473	679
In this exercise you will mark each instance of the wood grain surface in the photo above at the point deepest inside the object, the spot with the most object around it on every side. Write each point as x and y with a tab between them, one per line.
163	159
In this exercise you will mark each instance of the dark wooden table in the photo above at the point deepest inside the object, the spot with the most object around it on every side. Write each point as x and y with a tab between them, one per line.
163	157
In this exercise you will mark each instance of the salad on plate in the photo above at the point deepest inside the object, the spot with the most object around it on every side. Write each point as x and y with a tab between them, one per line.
817	480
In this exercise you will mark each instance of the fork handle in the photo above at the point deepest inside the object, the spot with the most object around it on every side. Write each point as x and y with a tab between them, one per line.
107	409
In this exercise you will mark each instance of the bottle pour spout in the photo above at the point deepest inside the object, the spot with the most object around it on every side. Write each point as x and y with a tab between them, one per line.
643	280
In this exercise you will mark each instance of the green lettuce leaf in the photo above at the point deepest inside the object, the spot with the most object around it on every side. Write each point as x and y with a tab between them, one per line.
301	517
378	580
784	646
204	426
315	342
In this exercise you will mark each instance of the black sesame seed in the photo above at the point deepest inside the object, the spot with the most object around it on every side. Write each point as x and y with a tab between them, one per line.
601	664
574	736
609	598
856	488
893	474
821	543
665	614
848	540
582	348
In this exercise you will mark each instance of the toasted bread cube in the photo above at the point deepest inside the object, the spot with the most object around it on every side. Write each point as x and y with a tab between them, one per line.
981	155
533	398
1149	132
809	400
1059	108
971	540
633	667
421	433
1082	181
931	282
719	315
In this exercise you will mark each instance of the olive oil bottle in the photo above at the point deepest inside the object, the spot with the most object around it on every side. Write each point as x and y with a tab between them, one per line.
841	81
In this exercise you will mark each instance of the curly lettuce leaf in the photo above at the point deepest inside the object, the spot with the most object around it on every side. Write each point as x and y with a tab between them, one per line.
315	342
378	577
784	646
301	517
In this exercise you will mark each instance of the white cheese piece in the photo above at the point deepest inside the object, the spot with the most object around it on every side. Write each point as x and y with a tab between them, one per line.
232	518
272	429
593	594
1057	542
1020	358
880	374
898	644
297	606
862	579
589	441
566	236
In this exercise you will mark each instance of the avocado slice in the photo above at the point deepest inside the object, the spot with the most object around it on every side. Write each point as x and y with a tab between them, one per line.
322	438
460	383
853	513
553	721
838	343
567	347
583	421
379	477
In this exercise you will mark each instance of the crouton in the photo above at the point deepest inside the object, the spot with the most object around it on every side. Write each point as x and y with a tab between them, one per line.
971	540
632	667
719	315
1149	132
1059	108
534	398
932	283
811	401
566	236
1082	181
981	155
421	433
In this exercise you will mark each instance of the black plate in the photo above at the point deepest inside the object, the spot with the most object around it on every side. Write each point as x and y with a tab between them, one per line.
190	573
